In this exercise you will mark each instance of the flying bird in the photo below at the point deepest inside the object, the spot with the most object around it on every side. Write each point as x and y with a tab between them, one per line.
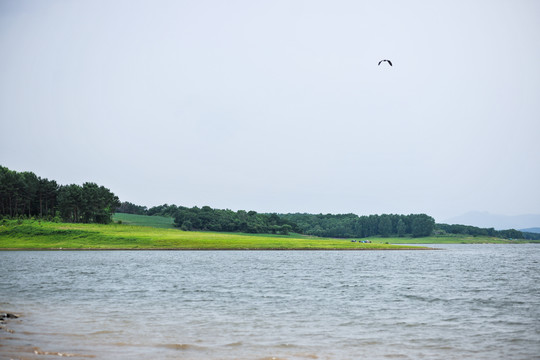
388	61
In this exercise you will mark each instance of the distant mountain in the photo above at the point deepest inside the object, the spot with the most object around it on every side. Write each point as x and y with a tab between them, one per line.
531	230
496	221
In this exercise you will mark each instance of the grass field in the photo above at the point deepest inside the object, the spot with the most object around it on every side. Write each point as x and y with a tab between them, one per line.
158	232
446	239
167	222
34	234
144	220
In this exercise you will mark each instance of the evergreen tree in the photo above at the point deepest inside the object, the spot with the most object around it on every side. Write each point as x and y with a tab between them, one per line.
385	225
401	228
422	225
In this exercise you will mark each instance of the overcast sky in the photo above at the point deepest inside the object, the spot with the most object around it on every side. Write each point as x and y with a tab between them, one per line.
279	106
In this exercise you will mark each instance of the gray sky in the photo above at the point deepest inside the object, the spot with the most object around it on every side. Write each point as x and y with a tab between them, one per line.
279	106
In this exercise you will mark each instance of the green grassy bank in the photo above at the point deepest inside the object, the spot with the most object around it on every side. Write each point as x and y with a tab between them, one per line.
34	234
167	222
447	239
145	220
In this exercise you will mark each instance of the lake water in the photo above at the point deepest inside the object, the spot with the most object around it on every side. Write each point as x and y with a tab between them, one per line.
463	302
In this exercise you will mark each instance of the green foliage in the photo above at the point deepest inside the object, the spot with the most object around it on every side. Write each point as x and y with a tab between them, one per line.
129	208
422	225
476	231
25	194
89	203
531	235
208	219
163	210
285	229
385	225
354	226
401	228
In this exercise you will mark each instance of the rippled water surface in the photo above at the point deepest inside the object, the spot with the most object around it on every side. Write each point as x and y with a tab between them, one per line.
467	301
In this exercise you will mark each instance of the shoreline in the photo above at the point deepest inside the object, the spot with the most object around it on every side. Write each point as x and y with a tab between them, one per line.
48	236
214	249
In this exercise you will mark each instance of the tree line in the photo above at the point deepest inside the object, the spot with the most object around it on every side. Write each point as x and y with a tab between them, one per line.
477	231
389	225
322	225
354	226
208	219
24	194
129	208
329	225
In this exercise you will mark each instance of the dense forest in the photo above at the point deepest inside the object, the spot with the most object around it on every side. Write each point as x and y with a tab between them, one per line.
24	194
339	226
209	219
128	208
354	226
329	225
476	231
415	225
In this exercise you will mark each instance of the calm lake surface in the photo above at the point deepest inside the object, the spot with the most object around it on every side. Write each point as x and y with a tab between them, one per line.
464	302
